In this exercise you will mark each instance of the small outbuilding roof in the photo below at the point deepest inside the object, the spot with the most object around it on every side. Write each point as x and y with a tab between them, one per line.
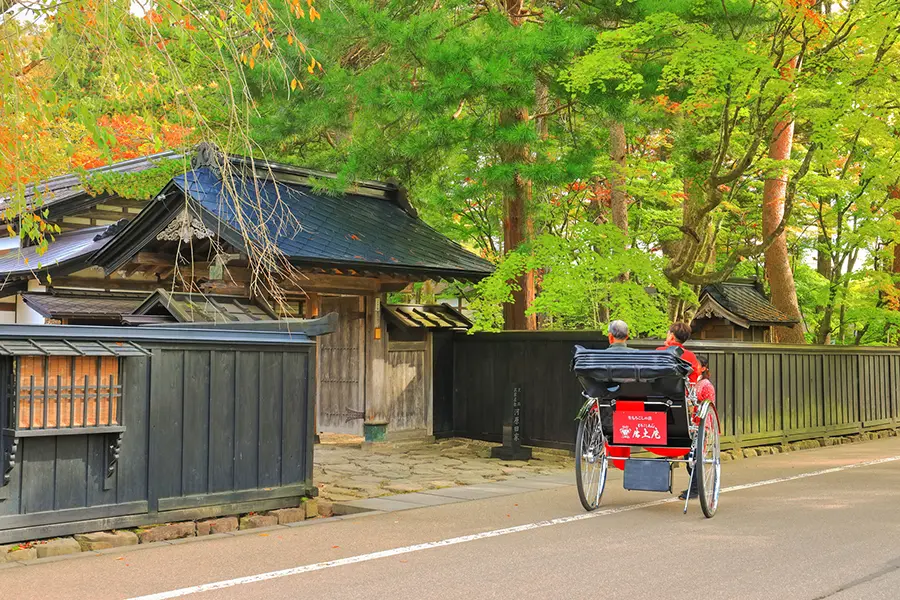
742	302
426	316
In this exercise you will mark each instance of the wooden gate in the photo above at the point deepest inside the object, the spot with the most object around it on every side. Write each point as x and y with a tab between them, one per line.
341	408
406	386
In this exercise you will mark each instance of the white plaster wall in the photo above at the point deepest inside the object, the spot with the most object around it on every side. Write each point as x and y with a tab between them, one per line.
24	314
8	316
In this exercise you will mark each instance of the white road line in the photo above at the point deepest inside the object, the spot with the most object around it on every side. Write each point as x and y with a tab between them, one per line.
218	585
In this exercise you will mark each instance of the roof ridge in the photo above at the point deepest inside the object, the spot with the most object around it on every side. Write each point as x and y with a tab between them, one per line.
207	154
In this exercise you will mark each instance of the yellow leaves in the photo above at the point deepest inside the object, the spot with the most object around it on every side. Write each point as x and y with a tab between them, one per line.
731	207
255	50
10	231
295	84
248	9
267	43
312	66
314	14
290	40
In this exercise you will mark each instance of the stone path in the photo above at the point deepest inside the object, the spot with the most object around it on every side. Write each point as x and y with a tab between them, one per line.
347	469
452	495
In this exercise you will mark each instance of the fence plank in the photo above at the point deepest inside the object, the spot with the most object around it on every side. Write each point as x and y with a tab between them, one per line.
195	428
246	430
38	473
270	422
296	402
133	458
71	472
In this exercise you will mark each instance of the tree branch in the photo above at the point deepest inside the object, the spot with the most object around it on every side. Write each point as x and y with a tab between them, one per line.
751	250
29	67
544	115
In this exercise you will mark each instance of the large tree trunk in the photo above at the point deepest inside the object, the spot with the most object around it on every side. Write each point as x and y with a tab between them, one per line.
618	149
778	265
516	198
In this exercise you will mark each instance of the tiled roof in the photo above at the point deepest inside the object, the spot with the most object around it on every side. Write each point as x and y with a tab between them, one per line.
426	316
187	307
66	249
348	230
745	300
68	304
70	187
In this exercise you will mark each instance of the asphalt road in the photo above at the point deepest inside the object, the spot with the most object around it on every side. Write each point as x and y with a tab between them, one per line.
806	525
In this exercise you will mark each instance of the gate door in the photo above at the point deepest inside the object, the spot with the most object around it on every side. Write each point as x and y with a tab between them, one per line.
341	408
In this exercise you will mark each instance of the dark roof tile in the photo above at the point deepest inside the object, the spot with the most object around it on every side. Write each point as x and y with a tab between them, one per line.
64	304
747	301
351	229
66	249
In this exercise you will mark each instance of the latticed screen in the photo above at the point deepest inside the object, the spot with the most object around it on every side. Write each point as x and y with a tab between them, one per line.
56	392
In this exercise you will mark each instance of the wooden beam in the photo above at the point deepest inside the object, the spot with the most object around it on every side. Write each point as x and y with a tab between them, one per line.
217	287
132	269
312	306
322	281
124	204
166	273
149	258
98	283
103	215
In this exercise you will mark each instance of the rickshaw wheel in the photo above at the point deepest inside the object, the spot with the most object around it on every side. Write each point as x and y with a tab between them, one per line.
591	460
709	463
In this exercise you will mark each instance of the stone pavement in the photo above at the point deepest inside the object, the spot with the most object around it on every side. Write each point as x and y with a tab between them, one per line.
346	469
441	496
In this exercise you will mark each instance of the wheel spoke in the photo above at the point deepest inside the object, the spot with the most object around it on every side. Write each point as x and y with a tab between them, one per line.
591	463
710	462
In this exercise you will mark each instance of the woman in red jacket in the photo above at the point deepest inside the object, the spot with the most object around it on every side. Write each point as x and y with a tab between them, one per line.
679	333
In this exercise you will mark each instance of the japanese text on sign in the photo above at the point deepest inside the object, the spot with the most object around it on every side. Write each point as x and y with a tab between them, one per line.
639	428
517	414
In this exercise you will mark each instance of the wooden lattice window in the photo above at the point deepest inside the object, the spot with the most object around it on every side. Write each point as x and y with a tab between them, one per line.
66	392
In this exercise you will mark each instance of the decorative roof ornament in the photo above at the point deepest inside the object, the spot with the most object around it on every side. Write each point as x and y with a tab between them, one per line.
208	155
184	228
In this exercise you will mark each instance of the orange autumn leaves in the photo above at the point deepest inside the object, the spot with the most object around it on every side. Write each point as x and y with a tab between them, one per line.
62	146
134	137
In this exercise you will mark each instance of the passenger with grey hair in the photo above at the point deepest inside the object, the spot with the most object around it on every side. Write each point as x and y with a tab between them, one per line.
618	335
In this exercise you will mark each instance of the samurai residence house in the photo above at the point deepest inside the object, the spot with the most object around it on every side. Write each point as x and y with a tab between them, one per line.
184	256
737	310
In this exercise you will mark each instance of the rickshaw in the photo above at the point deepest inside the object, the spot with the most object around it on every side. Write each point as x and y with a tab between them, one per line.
643	399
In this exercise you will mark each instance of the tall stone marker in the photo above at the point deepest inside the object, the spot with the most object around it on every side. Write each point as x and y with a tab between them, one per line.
512	429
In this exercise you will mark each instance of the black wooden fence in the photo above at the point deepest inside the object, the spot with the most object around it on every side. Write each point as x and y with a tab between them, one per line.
210	422
766	393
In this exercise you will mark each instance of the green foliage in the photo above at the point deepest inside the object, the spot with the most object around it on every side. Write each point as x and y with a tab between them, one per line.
436	95
135	186
585	281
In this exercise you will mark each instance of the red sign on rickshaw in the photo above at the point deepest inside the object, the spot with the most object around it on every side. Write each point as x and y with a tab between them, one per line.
639	428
